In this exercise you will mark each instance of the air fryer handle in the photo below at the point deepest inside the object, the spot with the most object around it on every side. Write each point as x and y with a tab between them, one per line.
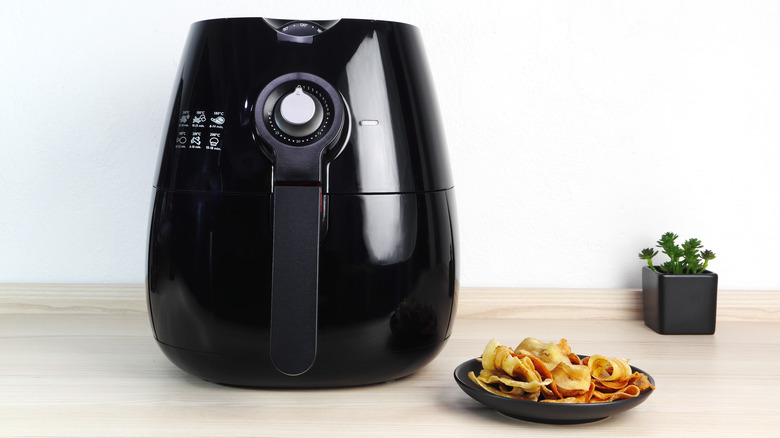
296	237
299	117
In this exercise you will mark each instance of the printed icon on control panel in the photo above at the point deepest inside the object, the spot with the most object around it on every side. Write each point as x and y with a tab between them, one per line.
218	120
200	118
183	118
195	140
181	140
213	141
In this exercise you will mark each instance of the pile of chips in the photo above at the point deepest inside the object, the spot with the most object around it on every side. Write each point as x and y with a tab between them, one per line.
549	372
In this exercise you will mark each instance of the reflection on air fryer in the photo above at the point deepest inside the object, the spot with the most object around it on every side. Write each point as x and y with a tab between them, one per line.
413	319
397	215
370	99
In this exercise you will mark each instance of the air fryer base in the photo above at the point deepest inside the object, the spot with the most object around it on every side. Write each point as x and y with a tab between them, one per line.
247	372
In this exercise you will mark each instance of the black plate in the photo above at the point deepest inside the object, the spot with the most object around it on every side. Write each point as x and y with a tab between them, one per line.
557	413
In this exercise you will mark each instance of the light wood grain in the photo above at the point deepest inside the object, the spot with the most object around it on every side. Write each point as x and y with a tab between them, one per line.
524	303
80	361
72	298
609	304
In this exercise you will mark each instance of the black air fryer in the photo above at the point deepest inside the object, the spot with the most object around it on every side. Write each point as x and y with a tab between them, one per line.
303	227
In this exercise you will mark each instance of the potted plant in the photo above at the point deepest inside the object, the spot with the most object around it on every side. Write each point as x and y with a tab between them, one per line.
679	296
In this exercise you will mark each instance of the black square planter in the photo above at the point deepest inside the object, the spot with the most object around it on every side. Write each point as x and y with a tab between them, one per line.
683	304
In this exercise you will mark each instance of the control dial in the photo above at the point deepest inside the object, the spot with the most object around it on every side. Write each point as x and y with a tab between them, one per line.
301	28
299	109
298	114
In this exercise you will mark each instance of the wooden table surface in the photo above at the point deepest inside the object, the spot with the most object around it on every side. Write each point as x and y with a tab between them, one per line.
80	361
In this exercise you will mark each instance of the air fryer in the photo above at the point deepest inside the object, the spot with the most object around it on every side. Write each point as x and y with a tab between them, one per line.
303	225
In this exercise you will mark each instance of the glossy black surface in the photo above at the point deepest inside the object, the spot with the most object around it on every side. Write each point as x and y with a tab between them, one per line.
555	413
387	284
379	68
266	271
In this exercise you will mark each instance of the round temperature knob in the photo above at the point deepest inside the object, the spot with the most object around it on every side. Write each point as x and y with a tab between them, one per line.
299	110
298	114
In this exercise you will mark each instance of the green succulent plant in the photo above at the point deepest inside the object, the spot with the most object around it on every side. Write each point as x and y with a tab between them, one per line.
685	259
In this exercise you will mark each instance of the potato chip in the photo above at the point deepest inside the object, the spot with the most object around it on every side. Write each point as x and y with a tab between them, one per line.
609	370
629	391
640	381
563	344
533	386
506	361
571	380
489	355
498	392
548	353
583	398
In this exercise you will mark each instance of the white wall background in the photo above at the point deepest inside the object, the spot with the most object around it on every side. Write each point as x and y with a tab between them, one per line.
578	131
